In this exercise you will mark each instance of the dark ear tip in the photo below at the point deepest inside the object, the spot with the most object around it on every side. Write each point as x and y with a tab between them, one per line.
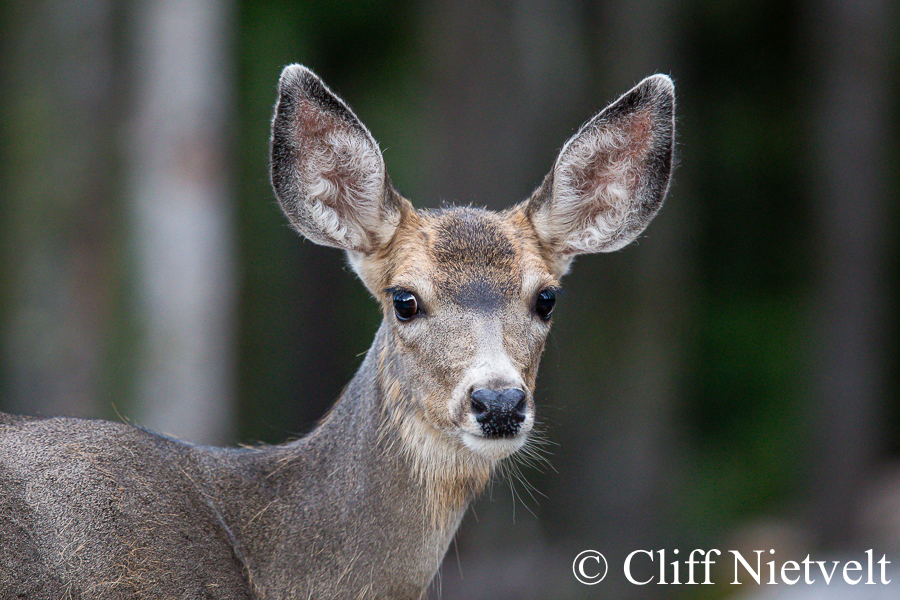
296	78
658	85
657	91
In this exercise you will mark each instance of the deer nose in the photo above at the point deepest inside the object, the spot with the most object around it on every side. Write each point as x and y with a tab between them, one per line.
499	412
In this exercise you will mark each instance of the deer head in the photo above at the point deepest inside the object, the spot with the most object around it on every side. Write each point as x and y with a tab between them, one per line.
467	294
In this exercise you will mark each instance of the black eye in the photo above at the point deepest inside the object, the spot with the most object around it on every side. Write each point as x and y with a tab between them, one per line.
405	305
546	300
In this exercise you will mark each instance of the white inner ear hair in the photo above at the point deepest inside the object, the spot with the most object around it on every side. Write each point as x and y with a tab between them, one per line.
343	181
597	188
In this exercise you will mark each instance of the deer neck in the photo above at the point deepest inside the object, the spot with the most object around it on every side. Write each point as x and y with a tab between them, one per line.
373	491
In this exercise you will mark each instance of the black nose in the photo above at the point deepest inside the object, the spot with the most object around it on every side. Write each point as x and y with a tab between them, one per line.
500	412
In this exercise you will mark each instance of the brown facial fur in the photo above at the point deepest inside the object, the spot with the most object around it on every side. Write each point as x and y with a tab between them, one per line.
476	275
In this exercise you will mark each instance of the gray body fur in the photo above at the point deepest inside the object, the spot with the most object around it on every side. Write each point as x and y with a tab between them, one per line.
103	510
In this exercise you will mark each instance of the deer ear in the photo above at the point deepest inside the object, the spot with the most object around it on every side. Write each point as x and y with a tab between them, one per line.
327	170
610	179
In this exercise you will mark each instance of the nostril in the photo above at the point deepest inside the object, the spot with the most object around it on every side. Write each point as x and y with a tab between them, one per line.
483	402
518	397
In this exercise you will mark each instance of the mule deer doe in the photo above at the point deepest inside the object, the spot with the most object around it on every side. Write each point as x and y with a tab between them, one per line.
365	505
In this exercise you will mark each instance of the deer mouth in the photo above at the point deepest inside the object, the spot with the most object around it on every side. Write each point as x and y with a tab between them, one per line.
494	448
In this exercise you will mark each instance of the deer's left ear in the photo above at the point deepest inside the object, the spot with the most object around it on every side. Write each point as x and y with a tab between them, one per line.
610	179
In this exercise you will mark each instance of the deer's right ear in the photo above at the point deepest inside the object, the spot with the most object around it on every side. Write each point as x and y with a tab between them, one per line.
327	170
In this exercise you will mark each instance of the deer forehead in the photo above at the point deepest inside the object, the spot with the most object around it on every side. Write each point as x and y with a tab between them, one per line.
472	258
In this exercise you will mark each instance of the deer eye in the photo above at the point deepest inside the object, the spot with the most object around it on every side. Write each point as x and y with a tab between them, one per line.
405	305
544	304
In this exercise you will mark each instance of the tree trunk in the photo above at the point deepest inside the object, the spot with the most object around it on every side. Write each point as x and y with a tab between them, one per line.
181	211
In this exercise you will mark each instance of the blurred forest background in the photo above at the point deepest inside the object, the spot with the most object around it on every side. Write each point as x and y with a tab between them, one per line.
729	381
